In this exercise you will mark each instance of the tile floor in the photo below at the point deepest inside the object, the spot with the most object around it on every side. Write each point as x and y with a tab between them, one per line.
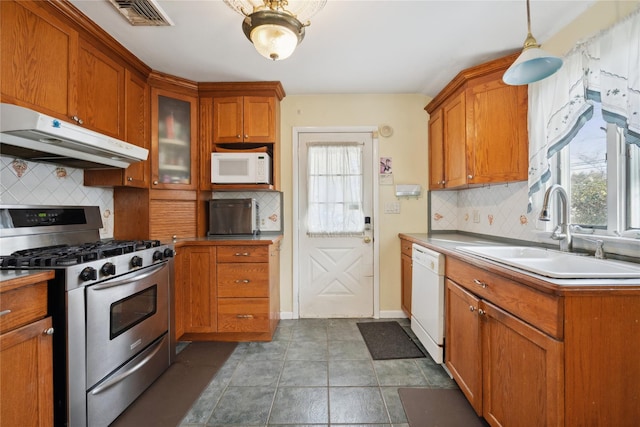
315	372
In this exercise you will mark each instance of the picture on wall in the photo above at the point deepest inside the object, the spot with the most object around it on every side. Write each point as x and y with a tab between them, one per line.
385	165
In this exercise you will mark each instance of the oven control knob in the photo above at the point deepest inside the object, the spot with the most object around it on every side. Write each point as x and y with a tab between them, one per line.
168	253
136	261
108	269
88	273
158	256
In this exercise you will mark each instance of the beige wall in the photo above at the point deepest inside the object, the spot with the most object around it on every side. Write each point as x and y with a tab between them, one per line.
408	148
600	16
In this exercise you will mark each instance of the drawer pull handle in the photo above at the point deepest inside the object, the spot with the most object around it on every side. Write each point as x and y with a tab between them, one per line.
479	283
48	331
242	254
4	312
245	316
243	281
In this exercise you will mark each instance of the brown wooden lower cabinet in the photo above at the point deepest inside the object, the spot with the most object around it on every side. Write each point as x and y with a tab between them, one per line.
26	353
406	252
227	292
524	357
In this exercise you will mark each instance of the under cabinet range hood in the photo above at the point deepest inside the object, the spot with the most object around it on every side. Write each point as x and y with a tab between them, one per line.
31	135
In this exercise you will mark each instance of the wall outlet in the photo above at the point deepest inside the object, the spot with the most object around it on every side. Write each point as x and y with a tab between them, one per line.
476	216
392	207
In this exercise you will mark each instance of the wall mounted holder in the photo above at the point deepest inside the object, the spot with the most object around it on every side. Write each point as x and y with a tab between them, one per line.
408	190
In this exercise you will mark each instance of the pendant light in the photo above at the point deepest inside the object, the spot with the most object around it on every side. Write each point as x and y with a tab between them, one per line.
533	64
275	27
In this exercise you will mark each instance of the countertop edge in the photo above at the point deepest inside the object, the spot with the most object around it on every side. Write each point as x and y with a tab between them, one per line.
13	279
446	244
262	239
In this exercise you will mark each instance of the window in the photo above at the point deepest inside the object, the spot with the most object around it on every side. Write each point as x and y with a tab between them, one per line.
602	176
335	190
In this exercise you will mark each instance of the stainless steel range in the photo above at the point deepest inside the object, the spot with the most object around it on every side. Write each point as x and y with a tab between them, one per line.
110	302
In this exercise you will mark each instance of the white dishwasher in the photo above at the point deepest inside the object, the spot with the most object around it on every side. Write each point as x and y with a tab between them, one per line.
427	300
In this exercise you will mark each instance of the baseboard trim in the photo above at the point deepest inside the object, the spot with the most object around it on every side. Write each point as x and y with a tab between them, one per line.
390	314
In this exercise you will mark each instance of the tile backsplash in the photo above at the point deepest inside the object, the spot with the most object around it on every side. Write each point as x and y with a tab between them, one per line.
270	206
33	183
495	210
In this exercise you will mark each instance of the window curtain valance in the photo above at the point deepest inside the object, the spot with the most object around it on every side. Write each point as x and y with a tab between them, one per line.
606	69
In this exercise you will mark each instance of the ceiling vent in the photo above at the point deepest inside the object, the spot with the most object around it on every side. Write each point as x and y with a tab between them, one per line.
142	12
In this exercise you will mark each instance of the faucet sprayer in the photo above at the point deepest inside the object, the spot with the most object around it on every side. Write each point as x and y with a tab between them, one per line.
562	232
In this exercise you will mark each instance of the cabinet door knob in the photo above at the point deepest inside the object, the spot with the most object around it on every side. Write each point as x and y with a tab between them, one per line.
155	182
129	179
48	331
469	176
246	137
481	312
472	308
239	136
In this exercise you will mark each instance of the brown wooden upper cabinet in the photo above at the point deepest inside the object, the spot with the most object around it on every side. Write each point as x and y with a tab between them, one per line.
173	140
478	129
244	119
39	59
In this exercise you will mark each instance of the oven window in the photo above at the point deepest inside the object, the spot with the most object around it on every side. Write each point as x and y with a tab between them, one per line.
130	311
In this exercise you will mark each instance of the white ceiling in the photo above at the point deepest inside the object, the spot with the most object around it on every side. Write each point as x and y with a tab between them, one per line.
352	46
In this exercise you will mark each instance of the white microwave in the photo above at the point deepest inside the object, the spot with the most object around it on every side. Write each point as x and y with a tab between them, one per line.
240	168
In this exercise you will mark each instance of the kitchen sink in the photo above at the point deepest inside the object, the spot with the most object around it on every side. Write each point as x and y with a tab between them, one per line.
552	263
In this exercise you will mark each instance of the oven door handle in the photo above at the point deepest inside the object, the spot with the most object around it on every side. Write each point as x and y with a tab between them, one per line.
123	375
134	278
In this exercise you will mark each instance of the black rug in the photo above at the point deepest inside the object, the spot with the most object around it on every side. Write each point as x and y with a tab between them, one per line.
387	340
438	408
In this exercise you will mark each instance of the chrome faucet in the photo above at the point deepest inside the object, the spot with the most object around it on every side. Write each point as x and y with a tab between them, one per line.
562	232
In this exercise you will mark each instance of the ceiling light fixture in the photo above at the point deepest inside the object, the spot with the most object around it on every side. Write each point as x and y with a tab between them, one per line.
533	64
275	27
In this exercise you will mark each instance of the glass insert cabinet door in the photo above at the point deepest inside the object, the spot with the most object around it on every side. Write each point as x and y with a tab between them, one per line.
173	141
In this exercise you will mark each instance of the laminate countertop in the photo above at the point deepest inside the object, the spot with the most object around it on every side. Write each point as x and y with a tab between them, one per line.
223	240
447	243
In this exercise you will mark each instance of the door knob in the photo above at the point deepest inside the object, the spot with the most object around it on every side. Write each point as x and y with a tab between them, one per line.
367	239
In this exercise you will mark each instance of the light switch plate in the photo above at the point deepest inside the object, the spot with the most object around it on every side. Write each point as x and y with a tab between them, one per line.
392	207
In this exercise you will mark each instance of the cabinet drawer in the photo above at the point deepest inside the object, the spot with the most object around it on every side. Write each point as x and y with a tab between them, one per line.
243	280
243	315
406	247
243	253
23	305
536	308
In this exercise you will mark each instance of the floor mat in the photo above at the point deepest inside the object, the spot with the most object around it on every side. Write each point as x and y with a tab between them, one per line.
438	408
170	397
388	340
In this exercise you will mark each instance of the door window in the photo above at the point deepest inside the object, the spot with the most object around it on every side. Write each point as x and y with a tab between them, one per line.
335	190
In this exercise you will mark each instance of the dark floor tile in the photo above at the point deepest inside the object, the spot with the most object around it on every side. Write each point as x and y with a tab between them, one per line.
300	405
399	372
257	373
356	405
352	373
307	350
348	350
243	406
304	373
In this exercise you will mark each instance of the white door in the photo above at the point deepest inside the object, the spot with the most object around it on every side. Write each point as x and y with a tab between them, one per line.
335	220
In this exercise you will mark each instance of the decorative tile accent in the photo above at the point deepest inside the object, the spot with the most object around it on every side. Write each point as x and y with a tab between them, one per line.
33	183
502	211
270	203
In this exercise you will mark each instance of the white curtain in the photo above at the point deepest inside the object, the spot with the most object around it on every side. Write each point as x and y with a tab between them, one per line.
335	189
604	69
